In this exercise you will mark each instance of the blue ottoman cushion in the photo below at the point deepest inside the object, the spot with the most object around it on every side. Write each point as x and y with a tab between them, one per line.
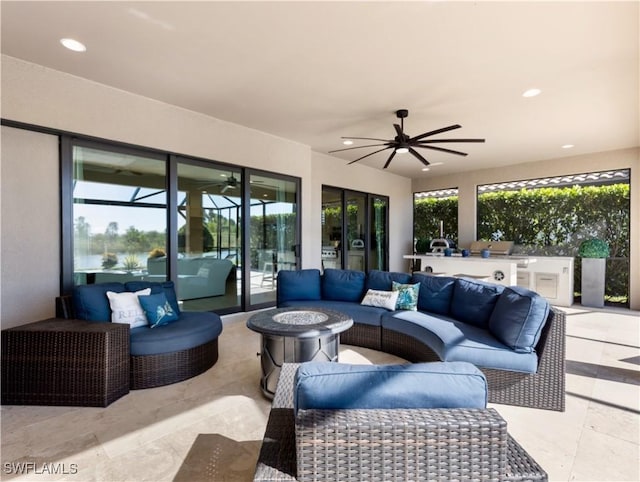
322	385
343	285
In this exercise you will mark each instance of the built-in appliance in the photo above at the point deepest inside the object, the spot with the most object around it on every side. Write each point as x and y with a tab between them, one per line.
440	244
496	248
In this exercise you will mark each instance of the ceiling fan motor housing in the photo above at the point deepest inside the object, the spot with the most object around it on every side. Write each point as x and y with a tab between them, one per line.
402	113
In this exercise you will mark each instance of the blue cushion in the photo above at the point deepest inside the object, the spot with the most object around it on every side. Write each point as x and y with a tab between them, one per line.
157	309
408	295
166	287
343	285
302	284
381	280
473	301
91	303
453	340
435	293
518	318
420	385
365	315
192	329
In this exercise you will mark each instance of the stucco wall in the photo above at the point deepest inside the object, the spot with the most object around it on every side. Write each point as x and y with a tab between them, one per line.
29	211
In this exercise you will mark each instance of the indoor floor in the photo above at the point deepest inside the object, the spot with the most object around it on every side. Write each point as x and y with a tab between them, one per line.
210	427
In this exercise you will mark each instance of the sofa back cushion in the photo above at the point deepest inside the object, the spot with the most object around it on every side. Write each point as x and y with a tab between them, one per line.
166	287
382	280
297	285
324	385
518	318
473	301
435	293
91	303
343	285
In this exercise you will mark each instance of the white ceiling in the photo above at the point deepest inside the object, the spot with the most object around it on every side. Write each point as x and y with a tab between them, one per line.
314	71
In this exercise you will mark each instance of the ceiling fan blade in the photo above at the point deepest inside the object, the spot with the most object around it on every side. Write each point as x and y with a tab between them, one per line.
358	147
433	133
366	138
370	154
386	164
434	141
417	154
442	149
399	131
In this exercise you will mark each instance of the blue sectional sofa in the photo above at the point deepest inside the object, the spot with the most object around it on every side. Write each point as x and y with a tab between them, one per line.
165	354
512	334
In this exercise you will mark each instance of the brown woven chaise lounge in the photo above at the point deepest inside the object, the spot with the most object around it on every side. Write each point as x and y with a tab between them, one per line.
387	445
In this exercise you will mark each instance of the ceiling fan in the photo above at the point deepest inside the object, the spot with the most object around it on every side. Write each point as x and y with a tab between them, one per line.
230	183
403	143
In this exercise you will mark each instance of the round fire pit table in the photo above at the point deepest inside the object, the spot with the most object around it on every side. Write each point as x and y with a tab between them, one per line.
295	335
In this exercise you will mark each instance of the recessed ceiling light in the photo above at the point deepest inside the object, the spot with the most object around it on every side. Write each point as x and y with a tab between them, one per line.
425	168
567	146
347	142
531	93
72	44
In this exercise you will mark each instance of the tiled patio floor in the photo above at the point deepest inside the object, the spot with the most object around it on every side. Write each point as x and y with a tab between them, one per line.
210	427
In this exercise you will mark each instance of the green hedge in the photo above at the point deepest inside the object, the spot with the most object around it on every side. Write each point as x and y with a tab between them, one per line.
546	222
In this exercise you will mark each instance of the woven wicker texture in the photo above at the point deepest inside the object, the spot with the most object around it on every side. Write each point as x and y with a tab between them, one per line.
366	336
150	371
544	389
388	445
65	362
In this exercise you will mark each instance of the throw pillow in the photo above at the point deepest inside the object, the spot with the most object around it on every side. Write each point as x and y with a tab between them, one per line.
407	295
381	299
157	309
125	307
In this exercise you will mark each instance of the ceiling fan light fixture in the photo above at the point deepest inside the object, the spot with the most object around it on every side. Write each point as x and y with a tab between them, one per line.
402	150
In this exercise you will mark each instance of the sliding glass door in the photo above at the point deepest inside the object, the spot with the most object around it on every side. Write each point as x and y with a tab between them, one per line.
273	234
354	230
221	233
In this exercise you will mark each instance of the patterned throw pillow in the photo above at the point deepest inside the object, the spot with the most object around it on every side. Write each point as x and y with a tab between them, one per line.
157	309
381	299
407	295
125	307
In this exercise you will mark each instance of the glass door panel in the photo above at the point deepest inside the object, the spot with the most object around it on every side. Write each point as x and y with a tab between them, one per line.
356	229
209	206
119	214
273	234
331	254
378	257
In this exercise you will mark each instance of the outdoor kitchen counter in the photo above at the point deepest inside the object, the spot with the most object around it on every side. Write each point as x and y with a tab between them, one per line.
497	269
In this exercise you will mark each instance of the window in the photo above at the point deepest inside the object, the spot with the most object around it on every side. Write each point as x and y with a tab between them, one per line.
133	214
435	216
552	216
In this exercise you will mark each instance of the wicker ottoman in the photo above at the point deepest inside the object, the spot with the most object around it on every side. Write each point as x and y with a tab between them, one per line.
65	362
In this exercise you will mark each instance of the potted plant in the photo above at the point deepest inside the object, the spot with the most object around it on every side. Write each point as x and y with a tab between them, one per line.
594	253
